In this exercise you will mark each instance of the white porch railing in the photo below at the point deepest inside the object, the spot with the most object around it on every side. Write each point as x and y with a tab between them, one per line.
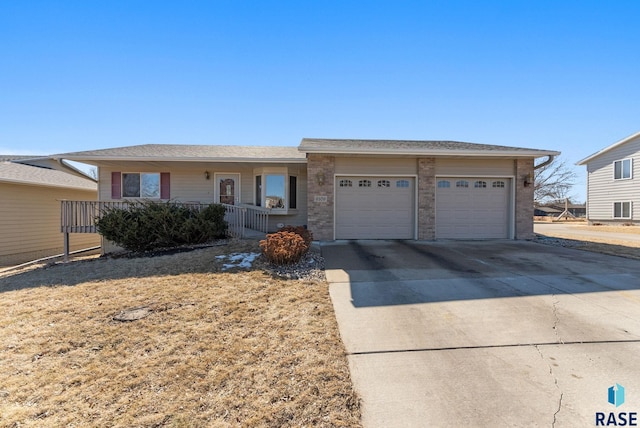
257	218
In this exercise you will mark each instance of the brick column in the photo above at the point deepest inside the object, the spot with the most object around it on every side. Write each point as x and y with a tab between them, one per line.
320	172
524	199
426	198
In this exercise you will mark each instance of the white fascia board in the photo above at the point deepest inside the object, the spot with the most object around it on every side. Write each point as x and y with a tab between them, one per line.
606	149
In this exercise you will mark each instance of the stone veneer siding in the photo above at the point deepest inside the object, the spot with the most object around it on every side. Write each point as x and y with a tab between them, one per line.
319	211
426	198
524	199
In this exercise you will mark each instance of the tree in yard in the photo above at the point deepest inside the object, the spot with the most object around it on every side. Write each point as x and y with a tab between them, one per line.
553	181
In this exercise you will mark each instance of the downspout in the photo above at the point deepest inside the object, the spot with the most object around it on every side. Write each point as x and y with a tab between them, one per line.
550	159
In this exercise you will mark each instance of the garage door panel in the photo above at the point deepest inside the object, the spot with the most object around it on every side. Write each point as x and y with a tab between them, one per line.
479	211
383	211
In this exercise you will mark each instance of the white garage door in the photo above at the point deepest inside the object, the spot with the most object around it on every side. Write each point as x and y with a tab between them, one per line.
375	207
472	208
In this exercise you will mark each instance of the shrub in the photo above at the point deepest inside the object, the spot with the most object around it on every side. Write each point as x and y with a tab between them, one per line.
284	248
151	225
300	230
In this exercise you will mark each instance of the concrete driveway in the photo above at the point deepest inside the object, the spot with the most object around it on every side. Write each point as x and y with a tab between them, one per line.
497	333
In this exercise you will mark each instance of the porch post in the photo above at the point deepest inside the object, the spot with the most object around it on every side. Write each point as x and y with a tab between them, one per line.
66	247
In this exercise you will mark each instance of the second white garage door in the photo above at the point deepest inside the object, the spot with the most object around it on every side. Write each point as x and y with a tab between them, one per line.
472	208
375	208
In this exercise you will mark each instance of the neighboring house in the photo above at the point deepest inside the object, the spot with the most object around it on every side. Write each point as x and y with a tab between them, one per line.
577	210
613	180
545	211
340	189
556	208
30	208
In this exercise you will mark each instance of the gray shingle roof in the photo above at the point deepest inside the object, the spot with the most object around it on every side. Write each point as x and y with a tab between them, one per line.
11	172
414	147
5	158
168	152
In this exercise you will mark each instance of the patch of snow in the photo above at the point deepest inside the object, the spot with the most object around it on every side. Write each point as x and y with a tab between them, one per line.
238	260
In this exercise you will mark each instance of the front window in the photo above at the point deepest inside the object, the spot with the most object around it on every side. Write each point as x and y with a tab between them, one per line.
141	185
622	169
275	189
622	209
274	192
258	190
293	192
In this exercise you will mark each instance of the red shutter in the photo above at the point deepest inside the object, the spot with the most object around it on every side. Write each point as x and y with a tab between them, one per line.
165	185
116	185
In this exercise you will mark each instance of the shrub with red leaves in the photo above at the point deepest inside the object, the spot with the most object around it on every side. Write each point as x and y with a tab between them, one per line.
300	230
284	248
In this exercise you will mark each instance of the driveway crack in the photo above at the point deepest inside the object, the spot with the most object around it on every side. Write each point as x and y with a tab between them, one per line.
556	321
555	383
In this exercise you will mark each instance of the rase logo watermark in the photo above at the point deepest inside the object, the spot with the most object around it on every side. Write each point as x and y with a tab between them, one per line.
615	397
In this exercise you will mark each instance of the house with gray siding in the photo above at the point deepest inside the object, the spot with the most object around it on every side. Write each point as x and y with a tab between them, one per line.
613	182
338	188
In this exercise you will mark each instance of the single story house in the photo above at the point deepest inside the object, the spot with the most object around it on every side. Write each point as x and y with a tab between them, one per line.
613	180
340	189
30	191
546	211
554	209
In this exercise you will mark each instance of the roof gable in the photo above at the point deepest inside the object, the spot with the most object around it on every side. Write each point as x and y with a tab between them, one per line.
17	173
608	149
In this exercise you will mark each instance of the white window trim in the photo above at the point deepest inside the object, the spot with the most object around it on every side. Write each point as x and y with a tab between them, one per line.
613	207
621	169
284	171
141	198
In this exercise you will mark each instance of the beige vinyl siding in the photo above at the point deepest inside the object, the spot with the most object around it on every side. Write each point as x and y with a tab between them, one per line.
378	166
188	184
475	167
30	222
603	190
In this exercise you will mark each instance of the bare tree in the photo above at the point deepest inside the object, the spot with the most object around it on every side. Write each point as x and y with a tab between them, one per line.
553	182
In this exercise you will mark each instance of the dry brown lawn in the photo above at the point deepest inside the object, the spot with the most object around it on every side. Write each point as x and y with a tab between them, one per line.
605	244
238	348
615	229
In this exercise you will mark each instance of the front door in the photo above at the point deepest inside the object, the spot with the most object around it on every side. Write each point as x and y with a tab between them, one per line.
228	189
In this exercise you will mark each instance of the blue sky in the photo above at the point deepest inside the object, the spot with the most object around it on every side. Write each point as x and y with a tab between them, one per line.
79	75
